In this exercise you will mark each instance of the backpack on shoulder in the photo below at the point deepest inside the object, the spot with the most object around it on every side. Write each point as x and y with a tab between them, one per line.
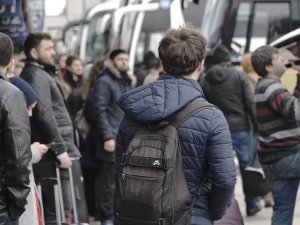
152	188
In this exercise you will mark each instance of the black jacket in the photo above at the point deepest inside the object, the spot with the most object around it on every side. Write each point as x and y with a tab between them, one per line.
229	89
102	111
51	121
15	152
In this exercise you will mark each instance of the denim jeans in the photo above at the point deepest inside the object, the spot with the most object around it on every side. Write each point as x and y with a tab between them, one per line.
242	143
284	192
284	176
200	220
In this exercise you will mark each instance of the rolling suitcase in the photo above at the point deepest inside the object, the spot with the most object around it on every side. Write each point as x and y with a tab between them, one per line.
79	192
59	204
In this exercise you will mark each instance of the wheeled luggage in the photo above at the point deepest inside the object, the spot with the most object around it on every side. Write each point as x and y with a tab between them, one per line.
79	192
58	198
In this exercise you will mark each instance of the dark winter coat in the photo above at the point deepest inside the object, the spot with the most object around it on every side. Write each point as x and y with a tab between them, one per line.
104	114
15	152
230	90
205	139
51	121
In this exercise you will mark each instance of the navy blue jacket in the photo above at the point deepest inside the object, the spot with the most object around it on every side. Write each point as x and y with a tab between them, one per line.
102	111
205	139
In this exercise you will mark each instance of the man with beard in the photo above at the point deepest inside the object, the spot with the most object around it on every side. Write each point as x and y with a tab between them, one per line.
105	116
51	122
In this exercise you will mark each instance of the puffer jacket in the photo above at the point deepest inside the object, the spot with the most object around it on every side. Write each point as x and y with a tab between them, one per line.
230	90
102	111
205	139
51	121
15	152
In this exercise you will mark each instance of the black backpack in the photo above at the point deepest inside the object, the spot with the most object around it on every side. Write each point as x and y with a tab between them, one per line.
151	188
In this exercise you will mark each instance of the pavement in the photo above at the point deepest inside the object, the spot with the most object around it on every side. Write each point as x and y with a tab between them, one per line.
263	217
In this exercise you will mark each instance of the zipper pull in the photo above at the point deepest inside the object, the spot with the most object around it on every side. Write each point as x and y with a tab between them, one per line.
123	176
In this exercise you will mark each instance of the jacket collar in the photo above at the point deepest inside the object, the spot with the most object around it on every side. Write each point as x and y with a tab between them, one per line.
48	68
112	70
2	76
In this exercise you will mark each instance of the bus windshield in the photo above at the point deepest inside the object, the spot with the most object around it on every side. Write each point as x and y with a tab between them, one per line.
245	25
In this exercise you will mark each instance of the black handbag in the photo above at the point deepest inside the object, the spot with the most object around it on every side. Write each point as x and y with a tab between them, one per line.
254	180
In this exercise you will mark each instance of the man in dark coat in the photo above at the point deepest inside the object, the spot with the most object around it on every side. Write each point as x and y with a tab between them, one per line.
105	116
230	90
51	121
205	137
15	153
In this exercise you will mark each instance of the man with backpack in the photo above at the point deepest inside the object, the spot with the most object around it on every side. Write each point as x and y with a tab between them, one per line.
174	161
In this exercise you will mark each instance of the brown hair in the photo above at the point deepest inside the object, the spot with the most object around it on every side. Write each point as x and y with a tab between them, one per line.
246	63
94	74
6	49
182	50
71	59
261	58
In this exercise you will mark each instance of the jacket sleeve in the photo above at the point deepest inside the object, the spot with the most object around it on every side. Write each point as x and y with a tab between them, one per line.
221	166
283	102
101	100
43	113
248	99
16	153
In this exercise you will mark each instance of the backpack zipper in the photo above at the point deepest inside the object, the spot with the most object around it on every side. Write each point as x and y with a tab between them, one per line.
124	175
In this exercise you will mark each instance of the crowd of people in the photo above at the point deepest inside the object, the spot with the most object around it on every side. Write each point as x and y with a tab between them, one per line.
43	94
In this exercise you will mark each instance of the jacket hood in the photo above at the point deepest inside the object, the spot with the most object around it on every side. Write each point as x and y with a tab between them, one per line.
218	73
159	100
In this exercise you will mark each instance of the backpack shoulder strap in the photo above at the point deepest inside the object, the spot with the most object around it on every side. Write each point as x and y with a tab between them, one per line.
188	111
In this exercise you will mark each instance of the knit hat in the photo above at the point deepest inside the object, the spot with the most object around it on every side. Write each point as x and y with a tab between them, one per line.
30	95
116	52
220	54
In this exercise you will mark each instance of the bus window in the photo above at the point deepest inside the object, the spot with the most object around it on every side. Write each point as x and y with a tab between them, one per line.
140	49
154	40
271	20
238	43
97	37
155	24
258	25
193	13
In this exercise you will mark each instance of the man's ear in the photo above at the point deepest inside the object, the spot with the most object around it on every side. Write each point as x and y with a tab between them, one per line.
201	66
269	68
34	53
11	64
